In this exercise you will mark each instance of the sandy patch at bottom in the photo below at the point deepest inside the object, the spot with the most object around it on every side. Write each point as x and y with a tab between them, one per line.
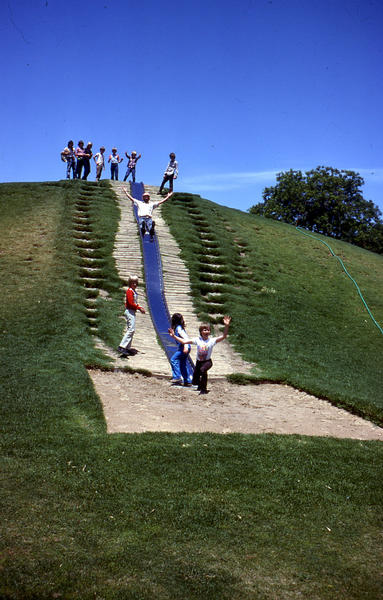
133	403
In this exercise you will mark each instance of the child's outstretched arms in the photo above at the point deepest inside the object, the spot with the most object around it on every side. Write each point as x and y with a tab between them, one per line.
226	322
166	198
178	339
127	193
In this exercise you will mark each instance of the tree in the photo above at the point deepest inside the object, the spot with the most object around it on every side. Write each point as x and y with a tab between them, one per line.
325	200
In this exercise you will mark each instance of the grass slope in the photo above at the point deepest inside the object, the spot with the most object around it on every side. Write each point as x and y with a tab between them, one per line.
87	515
295	312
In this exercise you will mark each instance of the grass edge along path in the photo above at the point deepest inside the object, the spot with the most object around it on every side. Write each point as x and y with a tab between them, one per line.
87	515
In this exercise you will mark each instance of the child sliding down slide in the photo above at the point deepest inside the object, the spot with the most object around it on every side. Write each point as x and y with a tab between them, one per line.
145	211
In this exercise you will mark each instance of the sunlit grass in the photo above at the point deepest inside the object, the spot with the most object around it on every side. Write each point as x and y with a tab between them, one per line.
295	312
89	515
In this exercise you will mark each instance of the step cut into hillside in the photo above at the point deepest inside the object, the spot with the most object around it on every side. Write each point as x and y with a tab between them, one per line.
128	258
89	266
127	254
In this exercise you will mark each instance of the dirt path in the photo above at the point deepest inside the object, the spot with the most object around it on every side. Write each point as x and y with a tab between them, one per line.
133	404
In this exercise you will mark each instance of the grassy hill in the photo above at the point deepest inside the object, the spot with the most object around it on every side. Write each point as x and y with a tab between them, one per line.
295	312
90	515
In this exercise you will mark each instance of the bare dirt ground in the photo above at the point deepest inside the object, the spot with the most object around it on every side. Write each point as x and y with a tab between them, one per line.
133	404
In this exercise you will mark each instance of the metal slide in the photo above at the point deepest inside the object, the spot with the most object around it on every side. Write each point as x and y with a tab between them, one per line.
155	286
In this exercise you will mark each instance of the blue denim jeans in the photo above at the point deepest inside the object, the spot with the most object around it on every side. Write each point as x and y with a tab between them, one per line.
148	222
79	166
178	364
86	168
130	171
114	171
71	166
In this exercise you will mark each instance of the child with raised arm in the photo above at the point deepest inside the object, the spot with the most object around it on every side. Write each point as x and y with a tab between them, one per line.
145	211
131	307
205	345
178	360
131	168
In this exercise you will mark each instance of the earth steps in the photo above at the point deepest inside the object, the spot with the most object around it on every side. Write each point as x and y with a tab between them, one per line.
127	253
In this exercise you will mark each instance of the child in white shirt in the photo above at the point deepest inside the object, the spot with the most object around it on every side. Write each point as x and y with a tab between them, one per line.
145	210
99	159
170	173
205	345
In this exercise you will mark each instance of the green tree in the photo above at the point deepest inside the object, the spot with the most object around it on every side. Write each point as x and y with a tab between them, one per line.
325	200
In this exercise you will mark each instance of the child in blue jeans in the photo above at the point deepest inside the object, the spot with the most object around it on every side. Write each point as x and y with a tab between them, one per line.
205	345
179	359
115	160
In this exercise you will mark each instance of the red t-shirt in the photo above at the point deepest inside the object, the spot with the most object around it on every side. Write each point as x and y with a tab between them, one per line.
131	300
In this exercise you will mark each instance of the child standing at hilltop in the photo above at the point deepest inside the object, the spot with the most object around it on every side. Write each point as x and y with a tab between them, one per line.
170	173
80	156
87	156
205	345
178	361
68	156
131	168
131	307
99	159
115	160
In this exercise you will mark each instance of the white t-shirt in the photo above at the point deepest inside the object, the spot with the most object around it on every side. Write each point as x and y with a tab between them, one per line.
172	168
204	347
145	209
100	159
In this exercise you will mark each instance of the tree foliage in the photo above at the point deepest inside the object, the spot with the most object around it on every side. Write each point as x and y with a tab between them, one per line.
325	200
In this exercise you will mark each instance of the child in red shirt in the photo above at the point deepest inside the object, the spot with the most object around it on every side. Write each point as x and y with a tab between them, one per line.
131	307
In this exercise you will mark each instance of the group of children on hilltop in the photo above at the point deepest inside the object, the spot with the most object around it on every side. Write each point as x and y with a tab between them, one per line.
78	159
205	343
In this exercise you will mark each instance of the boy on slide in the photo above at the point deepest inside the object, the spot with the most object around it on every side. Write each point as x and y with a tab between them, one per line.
145	211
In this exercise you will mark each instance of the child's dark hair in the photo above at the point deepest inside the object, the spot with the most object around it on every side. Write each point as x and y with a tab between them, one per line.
204	326
177	319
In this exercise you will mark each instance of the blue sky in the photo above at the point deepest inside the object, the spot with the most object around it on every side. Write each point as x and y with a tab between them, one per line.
239	91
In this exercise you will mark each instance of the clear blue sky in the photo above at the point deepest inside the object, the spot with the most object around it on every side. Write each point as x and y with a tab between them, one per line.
238	90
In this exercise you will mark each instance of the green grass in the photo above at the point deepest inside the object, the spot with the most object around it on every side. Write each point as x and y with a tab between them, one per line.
89	515
295	312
